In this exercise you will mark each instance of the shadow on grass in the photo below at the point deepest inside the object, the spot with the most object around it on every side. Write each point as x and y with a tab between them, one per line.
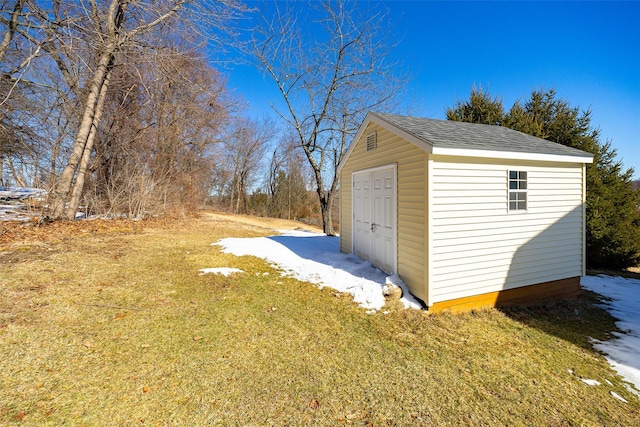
573	320
325	250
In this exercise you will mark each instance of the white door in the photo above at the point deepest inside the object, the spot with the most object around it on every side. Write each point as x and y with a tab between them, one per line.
374	207
383	220
362	215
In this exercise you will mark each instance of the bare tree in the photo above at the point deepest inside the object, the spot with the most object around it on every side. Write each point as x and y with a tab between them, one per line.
244	153
289	181
157	144
111	36
11	134
330	71
86	41
62	63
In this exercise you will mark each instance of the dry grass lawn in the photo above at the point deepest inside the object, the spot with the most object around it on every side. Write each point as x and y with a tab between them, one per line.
109	323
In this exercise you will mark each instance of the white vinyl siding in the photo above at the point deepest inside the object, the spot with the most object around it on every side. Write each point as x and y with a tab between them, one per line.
411	200
478	247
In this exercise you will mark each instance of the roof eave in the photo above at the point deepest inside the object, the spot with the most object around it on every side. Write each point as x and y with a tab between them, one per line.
512	155
373	118
418	142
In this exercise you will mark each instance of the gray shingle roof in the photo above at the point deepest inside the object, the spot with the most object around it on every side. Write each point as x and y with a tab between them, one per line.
472	136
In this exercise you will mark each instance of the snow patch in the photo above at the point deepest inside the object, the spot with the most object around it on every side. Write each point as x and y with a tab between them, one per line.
622	301
316	258
225	271
20	193
407	299
617	396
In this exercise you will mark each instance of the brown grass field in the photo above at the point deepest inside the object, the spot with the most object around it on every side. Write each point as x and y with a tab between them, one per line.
107	323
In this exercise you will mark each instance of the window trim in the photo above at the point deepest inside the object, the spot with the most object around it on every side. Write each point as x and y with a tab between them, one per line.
518	187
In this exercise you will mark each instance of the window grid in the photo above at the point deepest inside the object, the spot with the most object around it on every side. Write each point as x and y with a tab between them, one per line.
517	190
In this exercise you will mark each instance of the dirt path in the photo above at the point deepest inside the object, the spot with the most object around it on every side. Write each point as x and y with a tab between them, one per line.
273	223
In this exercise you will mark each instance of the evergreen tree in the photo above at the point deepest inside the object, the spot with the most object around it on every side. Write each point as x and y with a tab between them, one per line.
480	108
613	203
613	213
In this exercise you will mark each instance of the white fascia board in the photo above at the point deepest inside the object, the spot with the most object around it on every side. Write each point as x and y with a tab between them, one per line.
511	155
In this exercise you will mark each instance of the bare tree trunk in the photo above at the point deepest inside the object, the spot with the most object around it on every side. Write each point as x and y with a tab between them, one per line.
63	187
11	29
17	177
243	194
231	197
289	196
237	208
83	167
326	209
90	117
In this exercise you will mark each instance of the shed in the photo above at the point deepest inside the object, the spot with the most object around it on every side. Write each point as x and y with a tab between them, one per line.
468	215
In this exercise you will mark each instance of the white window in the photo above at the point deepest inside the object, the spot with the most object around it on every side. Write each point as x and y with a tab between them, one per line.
517	190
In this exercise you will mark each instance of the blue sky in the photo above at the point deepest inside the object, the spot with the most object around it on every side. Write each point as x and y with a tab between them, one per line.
589	52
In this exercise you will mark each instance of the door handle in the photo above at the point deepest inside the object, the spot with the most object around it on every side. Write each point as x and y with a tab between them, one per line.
373	227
